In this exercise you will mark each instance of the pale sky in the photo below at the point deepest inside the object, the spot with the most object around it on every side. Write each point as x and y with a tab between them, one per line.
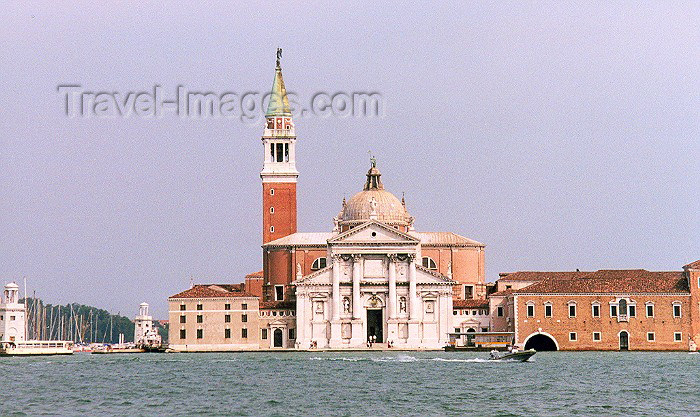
561	135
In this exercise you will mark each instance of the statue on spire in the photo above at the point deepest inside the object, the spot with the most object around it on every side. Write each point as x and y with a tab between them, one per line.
372	159
279	56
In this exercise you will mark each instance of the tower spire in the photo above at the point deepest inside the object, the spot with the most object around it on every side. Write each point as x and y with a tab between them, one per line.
279	103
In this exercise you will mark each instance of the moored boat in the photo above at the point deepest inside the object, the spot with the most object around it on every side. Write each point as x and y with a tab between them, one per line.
36	347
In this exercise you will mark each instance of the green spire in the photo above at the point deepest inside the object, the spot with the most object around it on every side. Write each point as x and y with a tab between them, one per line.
279	104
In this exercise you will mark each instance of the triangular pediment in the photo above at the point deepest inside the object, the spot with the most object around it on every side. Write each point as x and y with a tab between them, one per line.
374	232
320	277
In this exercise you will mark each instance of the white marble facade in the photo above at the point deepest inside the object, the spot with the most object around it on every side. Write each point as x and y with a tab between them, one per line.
374	286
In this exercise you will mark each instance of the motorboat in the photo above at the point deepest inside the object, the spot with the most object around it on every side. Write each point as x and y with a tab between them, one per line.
518	356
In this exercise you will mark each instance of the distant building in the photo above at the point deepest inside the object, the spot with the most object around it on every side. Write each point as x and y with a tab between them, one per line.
145	334
601	310
12	315
214	318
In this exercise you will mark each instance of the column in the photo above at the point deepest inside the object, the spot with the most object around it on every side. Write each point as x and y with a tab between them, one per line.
412	288
356	276
336	329
301	321
336	287
391	305
414	339
358	337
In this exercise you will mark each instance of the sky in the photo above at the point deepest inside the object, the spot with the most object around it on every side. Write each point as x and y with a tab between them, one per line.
562	135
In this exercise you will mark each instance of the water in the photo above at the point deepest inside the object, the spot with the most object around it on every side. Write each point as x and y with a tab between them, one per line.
350	384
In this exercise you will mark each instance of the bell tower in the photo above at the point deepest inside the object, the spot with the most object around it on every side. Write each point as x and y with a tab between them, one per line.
279	173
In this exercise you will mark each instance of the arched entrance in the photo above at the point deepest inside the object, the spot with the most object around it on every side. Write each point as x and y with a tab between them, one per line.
541	342
470	337
624	340
277	336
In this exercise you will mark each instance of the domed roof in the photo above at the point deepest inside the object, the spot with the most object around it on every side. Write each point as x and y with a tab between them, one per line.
11	285
374	203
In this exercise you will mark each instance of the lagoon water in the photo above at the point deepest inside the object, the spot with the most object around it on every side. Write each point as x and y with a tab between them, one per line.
351	384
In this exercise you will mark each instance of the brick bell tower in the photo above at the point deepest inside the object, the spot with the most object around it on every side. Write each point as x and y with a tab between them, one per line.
279	173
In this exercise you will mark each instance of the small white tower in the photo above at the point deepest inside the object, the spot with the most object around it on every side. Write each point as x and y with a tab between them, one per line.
12	315
144	333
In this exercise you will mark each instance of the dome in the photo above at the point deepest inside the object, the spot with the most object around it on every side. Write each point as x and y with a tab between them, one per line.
11	286
374	203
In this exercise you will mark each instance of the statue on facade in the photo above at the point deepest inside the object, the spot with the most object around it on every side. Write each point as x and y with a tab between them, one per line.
299	270
346	305
402	304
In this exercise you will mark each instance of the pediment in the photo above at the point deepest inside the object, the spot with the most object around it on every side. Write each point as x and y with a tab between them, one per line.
426	276
374	232
320	277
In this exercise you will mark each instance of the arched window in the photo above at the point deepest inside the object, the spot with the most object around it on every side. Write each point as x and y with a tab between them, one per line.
429	263
622	307
319	263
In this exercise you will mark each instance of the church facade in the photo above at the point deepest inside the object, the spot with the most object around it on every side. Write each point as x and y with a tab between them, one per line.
373	280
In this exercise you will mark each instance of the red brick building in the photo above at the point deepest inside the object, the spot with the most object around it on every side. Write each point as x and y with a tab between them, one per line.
601	310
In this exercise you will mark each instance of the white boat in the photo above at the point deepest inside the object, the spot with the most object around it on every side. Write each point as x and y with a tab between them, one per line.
36	347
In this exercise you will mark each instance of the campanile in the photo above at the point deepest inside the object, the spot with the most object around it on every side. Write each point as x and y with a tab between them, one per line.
279	173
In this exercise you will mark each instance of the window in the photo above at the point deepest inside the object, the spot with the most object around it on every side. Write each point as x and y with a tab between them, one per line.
183	307
272	210
468	292
429	263
12	318
499	311
677	337
244	306
263	334
319	263
613	311
183	319
595	310
183	333
457	330
531	310
572	336
596	336
548	310
651	337
280	152
676	310
227	306
200	318
227	318
199	306
279	292
572	309
454	312
244	318
272	229
244	333
509	287
632	309
227	333
650	310
292	333
200	333
272	191
484	329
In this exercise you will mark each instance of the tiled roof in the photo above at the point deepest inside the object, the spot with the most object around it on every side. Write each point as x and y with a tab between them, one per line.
278	305
258	274
445	238
302	239
612	281
470	303
541	275
213	291
693	265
